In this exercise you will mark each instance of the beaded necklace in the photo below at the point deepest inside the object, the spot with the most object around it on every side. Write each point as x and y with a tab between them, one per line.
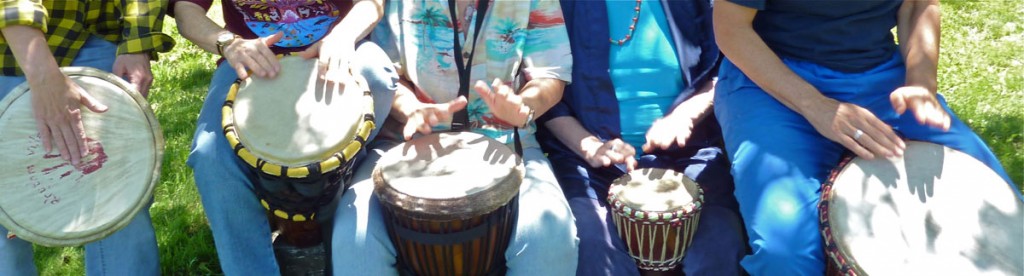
632	27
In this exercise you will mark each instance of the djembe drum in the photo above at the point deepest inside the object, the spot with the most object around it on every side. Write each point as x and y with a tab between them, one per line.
656	212
450	202
935	211
46	200
299	135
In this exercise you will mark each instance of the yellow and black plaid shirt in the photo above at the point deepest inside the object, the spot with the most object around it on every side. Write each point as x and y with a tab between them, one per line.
134	25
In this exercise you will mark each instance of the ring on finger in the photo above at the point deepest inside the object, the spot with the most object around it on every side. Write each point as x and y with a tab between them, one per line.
612	148
857	134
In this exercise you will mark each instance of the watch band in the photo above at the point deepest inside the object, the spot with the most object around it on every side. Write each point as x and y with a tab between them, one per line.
529	119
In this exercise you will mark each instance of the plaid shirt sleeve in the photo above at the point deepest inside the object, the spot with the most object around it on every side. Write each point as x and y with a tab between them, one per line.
23	12
140	32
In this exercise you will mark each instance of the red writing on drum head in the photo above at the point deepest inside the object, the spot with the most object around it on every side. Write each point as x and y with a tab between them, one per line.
43	180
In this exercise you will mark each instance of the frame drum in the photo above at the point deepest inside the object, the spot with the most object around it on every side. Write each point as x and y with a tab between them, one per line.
450	203
45	199
936	211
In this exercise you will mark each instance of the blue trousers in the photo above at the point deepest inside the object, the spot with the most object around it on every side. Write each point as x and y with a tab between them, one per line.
779	160
241	232
130	251
719	243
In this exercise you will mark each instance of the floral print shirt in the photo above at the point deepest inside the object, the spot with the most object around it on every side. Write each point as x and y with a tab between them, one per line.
519	41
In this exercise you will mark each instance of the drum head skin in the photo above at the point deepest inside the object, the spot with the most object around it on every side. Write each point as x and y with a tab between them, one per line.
657	190
295	119
448	176
937	211
45	200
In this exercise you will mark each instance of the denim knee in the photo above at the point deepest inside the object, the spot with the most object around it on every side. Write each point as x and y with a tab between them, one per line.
381	77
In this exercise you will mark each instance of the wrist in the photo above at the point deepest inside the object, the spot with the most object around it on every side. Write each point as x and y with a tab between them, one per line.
224	40
588	146
529	118
45	75
811	105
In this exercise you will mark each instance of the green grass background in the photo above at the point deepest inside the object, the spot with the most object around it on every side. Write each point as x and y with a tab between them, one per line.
981	73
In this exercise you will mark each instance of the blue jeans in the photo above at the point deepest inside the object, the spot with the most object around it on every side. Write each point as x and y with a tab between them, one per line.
779	160
544	242
719	243
130	251
239	223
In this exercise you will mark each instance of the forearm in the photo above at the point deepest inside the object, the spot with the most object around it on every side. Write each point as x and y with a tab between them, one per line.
571	133
919	30
698	106
405	101
196	27
541	94
737	39
359	21
32	53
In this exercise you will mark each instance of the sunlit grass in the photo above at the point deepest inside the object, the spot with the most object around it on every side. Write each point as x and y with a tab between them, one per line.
981	73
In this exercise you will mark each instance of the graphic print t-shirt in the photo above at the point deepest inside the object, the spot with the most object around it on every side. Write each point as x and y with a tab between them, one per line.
302	22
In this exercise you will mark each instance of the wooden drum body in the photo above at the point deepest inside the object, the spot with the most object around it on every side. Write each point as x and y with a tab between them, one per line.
936	211
450	203
656	212
46	200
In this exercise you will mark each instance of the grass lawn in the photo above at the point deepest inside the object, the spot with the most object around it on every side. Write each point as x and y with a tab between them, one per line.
981	74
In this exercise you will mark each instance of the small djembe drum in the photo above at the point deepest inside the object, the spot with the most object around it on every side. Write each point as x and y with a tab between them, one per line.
450	203
299	135
656	212
935	211
46	200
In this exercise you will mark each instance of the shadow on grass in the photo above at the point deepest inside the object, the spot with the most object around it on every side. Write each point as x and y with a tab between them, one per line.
1002	133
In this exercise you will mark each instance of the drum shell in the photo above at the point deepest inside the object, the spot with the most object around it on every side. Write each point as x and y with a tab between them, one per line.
473	246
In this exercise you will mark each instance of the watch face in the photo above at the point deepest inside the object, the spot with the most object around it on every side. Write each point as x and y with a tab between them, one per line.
225	37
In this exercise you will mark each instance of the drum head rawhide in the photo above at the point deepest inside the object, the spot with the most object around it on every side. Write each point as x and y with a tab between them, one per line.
448	176
941	212
656	190
45	200
295	119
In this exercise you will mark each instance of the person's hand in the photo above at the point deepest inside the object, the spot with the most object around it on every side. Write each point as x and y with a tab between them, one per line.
334	63
55	104
135	69
503	102
923	104
615	151
426	116
254	54
671	129
856	129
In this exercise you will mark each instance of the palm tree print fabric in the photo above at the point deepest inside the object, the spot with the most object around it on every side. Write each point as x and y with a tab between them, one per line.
519	41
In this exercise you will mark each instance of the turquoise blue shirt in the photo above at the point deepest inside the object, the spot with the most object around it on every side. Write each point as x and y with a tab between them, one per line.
644	70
